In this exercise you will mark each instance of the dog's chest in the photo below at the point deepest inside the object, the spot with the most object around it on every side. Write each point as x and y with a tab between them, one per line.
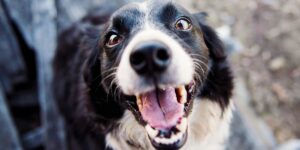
208	129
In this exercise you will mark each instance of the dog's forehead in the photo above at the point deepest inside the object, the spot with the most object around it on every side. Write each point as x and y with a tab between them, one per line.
148	11
145	7
128	10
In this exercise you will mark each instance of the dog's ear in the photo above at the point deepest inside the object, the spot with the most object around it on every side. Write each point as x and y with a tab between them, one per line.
90	43
201	17
212	41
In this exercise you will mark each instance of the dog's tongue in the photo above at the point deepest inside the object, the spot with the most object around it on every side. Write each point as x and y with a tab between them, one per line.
161	113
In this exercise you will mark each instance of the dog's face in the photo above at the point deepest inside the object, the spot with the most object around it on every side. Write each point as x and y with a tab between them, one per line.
155	58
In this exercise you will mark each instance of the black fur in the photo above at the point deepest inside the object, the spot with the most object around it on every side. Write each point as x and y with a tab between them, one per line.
219	84
90	107
81	99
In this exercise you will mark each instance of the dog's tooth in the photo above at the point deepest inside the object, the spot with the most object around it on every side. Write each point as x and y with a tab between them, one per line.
183	95
151	132
180	90
158	140
177	136
139	101
174	138
163	140
166	141
171	140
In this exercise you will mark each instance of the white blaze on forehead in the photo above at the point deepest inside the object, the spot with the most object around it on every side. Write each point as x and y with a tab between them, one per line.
144	7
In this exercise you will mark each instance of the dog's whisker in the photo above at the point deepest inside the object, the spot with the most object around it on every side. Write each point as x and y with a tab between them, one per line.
198	78
108	76
199	59
196	74
195	54
103	80
112	83
103	73
198	66
201	62
110	87
109	70
116	90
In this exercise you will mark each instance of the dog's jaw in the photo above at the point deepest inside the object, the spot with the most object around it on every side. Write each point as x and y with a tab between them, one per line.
207	129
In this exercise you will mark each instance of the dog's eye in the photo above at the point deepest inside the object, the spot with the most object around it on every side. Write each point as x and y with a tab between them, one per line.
183	24
113	40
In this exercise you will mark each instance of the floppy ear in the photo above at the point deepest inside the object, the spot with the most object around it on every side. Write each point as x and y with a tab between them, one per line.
92	77
212	41
92	66
219	84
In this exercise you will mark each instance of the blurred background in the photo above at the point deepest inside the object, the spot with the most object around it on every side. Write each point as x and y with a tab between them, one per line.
262	41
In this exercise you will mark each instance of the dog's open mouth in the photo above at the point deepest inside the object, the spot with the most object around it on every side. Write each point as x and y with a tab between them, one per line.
164	112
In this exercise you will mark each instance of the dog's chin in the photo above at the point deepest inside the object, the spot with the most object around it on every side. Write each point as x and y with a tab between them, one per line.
164	113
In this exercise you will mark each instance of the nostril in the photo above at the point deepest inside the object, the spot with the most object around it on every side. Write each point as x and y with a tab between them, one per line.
161	59
136	58
162	55
137	61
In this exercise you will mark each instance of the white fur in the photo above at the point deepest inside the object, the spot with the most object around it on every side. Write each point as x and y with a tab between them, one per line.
129	130
208	129
180	71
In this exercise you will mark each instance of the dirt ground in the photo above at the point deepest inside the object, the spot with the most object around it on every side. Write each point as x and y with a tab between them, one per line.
269	59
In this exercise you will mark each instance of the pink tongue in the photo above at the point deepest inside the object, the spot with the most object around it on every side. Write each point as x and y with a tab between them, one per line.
162	116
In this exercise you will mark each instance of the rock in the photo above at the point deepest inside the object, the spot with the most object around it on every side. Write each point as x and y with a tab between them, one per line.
266	55
280	92
290	145
253	51
231	45
239	135
277	63
255	134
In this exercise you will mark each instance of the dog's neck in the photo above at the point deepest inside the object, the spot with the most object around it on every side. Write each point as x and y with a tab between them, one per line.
209	127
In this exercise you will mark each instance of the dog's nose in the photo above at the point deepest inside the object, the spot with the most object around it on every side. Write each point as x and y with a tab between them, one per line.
150	57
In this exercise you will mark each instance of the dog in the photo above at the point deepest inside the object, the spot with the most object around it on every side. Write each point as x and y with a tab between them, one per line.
144	76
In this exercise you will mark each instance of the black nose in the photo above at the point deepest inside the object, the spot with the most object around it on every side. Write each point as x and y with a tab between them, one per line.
150	57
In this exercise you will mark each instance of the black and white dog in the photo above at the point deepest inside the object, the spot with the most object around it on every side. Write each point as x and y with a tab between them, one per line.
144	76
